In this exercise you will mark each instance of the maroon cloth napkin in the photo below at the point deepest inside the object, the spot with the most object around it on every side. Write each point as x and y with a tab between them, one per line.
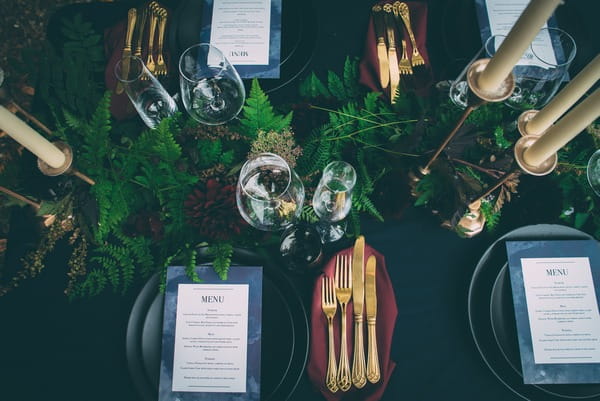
386	320
114	41
421	79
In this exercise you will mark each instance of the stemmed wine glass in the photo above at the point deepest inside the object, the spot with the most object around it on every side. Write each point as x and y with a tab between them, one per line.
211	89
269	193
333	199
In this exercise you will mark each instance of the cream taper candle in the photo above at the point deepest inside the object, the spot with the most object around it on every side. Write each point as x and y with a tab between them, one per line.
564	130
30	139
518	40
566	98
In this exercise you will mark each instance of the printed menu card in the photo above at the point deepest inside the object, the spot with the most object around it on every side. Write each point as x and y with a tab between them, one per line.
211	335
248	32
555	287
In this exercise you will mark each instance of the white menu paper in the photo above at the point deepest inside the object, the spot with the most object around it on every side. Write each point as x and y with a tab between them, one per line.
241	30
211	332
503	14
562	309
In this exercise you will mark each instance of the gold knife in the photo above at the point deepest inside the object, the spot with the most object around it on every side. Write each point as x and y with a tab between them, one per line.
392	55
131	17
359	374
139	32
379	25
373	373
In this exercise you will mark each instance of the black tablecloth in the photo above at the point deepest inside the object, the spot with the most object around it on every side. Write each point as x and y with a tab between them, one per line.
51	349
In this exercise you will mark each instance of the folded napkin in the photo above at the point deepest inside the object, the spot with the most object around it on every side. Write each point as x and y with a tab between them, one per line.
386	320
421	80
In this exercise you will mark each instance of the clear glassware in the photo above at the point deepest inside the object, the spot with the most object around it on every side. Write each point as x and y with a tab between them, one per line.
211	89
333	199
269	193
537	80
593	172
149	97
538	75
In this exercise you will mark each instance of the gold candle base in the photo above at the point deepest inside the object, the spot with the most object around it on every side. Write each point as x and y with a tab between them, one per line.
522	121
48	170
543	169
500	94
66	168
473	222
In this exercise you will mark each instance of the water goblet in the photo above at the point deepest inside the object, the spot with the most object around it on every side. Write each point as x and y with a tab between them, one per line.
333	199
269	193
593	172
149	97
211	89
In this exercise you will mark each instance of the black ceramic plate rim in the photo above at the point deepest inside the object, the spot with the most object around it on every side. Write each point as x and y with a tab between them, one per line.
300	329
503	370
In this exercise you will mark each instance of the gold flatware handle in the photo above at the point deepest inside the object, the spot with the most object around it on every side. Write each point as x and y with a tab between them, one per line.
373	372
359	374
405	15
150	59
139	32
343	375
331	377
131	18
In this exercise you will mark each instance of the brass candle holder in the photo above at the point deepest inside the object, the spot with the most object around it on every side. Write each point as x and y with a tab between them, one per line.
476	97
66	168
523	120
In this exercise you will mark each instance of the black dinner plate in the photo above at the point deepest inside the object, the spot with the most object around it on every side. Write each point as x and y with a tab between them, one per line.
491	317
284	334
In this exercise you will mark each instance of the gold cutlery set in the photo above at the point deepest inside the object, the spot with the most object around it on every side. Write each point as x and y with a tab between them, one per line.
388	19
351	282
156	16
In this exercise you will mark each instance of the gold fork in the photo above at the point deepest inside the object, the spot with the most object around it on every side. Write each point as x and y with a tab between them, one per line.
161	66
404	64
153	18
343	292
417	59
329	306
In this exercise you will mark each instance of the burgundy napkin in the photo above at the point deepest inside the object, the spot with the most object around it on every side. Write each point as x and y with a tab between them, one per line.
421	79
114	41
386	320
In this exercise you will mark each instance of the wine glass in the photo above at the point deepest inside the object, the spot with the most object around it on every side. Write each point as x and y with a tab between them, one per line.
211	89
333	199
269	193
541	70
593	172
149	97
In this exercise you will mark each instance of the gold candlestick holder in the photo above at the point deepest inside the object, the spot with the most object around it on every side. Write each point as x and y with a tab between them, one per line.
66	168
476	97
523	120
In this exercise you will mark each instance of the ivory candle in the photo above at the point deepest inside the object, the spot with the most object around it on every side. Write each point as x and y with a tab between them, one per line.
34	142
518	40
566	98
564	130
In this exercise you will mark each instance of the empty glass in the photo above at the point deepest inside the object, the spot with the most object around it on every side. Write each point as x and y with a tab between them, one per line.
333	199
269	193
593	172
211	89
151	100
541	70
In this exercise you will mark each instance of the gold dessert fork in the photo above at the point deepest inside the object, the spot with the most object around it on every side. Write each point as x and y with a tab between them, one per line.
417	59
152	28
329	306
161	66
404	64
343	292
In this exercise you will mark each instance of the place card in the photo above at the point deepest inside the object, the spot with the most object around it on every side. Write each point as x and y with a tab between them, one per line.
212	336
555	287
248	32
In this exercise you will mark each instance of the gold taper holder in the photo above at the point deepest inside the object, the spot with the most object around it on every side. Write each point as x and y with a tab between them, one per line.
543	169
476	97
522	121
66	167
473	222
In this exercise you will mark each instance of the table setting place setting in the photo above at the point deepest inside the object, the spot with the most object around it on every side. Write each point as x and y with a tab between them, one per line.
237	214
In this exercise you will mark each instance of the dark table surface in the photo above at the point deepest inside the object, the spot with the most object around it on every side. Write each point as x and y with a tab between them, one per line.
53	349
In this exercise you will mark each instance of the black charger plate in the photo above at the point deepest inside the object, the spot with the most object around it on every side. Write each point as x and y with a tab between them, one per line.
491	317
284	334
